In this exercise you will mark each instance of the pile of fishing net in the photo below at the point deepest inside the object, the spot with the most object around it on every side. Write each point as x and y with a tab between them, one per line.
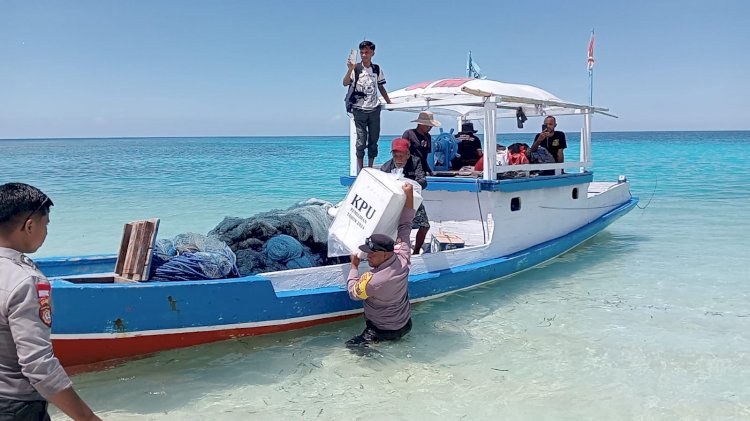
292	238
192	257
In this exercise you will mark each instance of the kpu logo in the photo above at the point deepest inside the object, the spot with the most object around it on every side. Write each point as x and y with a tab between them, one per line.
362	206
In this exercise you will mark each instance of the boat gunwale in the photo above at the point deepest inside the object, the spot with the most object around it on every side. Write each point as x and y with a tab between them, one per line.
622	208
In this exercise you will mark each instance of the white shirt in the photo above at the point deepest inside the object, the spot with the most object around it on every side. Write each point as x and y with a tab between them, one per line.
368	84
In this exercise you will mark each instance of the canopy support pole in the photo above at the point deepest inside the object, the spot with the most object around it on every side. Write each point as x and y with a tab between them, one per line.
586	138
490	140
353	170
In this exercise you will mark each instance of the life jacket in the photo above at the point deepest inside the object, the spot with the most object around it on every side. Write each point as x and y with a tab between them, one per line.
516	154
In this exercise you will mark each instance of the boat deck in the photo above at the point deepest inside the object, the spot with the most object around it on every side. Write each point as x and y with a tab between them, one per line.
599	187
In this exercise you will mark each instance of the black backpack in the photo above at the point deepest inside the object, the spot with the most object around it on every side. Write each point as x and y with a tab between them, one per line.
352	95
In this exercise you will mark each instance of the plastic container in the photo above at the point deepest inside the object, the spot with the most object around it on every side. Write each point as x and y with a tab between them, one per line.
373	206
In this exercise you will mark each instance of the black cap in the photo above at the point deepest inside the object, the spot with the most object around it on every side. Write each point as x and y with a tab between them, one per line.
377	242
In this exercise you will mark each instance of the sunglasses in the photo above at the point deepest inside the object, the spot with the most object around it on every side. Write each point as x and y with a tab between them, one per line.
372	246
38	208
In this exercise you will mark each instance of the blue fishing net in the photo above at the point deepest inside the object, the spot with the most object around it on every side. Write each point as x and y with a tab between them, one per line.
192	256
291	238
282	248
164	249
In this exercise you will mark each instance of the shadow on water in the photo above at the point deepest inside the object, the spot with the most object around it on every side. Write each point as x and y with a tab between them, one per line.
171	380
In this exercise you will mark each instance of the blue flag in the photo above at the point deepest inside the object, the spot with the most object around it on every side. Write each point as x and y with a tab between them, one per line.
473	70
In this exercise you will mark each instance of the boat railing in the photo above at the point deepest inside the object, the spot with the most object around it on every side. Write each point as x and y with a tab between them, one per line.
537	167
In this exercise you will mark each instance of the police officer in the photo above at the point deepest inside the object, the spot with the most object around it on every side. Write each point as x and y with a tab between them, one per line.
384	289
30	375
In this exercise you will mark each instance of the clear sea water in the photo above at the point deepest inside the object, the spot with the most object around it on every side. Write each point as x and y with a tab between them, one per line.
648	320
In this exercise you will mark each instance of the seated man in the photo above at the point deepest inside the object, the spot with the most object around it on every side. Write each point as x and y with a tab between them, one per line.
551	139
412	169
384	289
469	147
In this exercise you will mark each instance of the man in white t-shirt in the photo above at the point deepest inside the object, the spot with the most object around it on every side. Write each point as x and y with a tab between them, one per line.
369	79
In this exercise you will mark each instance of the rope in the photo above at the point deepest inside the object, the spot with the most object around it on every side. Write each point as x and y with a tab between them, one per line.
656	180
481	215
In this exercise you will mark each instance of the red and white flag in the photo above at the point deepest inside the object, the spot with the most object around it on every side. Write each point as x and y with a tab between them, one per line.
591	52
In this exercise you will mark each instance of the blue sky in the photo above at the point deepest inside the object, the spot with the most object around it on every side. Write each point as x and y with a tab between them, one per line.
241	68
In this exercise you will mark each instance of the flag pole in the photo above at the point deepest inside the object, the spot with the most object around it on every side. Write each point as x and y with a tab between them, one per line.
586	132
591	68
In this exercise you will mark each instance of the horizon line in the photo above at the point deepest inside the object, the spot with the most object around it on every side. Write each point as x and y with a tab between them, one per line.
329	136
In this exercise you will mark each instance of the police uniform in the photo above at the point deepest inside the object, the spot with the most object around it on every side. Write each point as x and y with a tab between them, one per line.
29	371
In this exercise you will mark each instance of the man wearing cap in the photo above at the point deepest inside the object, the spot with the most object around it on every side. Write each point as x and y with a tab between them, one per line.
412	168
420	140
384	289
469	149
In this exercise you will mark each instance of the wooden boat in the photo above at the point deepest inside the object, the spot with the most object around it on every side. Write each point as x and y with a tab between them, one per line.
506	225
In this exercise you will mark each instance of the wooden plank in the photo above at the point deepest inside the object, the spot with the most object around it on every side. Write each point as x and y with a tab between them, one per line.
123	248
127	270
121	280
139	258
134	260
153	225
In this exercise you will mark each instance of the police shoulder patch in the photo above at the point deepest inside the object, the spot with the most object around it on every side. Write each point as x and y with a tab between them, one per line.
361	288
45	312
43	291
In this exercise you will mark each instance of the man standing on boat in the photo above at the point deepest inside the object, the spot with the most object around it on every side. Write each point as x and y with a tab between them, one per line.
411	167
551	139
30	375
420	140
384	289
368	79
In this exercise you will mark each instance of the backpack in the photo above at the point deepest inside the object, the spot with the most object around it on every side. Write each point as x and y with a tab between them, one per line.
351	94
541	156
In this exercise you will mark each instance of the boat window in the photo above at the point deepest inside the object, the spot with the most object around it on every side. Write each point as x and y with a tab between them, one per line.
575	193
515	204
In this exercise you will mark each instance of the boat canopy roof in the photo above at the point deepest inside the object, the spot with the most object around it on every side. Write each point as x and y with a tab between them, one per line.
466	97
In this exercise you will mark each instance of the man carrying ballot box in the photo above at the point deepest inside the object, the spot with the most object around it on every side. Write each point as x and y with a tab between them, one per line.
384	289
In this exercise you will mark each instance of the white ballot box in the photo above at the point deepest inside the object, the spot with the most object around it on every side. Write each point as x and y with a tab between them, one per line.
373	206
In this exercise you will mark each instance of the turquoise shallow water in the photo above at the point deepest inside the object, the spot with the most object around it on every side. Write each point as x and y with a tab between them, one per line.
648	320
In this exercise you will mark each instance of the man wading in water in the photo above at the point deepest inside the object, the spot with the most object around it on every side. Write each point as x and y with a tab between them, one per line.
384	289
